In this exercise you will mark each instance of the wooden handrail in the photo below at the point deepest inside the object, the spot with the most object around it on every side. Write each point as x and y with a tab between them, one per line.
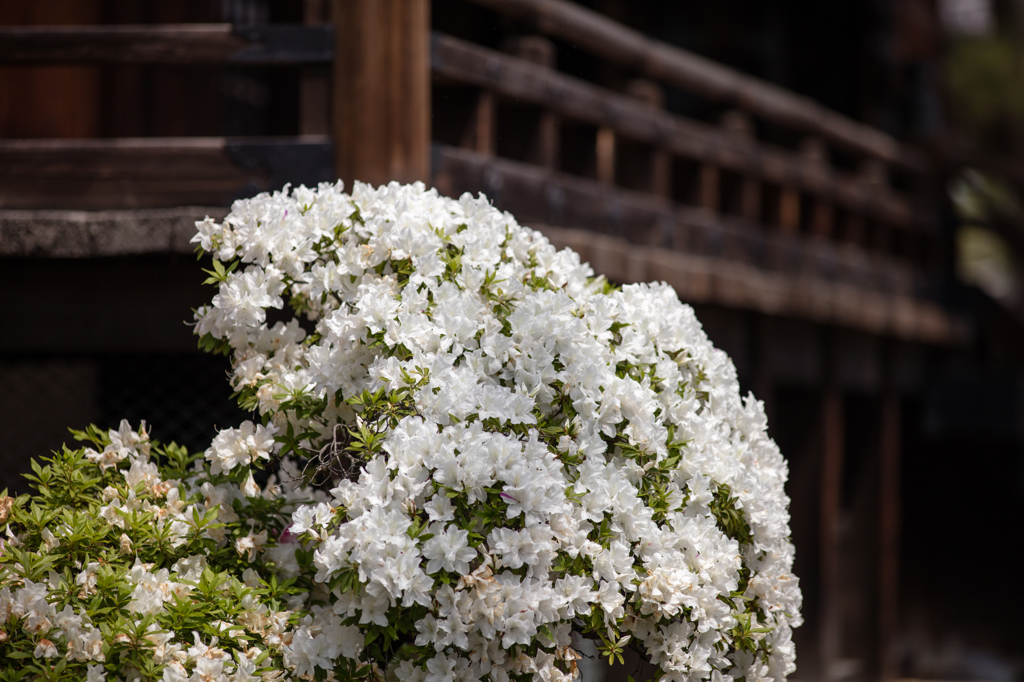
167	43
539	195
658	60
573	98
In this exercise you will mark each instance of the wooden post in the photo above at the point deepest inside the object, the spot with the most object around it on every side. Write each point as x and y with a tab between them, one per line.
710	193
314	84
815	155
484	124
739	123
789	210
381	99
889	525
606	156
855	230
548	140
653	95
750	200
831	486
540	51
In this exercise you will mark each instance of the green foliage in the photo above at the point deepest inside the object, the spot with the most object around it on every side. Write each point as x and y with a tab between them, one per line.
110	567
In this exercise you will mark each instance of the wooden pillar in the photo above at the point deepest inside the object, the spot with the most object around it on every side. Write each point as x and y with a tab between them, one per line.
381	98
889	527
314	84
831	488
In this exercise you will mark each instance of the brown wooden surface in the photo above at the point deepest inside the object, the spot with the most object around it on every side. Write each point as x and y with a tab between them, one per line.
727	283
381	90
605	156
533	193
314	83
123	173
166	43
660	61
707	258
49	101
626	116
176	43
483	129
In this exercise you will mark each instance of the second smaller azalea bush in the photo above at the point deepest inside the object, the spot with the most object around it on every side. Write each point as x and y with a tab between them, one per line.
136	560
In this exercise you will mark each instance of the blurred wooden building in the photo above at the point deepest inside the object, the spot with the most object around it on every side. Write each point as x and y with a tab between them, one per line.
778	183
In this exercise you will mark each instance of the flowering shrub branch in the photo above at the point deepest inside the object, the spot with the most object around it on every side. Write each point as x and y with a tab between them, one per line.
517	455
137	558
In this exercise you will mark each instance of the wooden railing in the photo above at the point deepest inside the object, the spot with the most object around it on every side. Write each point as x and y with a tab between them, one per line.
809	238
662	62
756	225
160	171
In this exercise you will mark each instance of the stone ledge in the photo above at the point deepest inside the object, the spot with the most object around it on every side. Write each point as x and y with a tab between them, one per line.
97	234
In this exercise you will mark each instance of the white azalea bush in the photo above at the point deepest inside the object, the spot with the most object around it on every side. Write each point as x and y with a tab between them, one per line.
518	451
497	456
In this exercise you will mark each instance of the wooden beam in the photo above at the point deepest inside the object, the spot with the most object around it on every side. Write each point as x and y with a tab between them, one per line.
381	95
628	117
166	44
154	172
660	61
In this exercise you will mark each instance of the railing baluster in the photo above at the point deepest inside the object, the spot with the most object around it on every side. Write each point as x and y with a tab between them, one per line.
484	123
740	124
606	156
653	95
541	51
815	155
